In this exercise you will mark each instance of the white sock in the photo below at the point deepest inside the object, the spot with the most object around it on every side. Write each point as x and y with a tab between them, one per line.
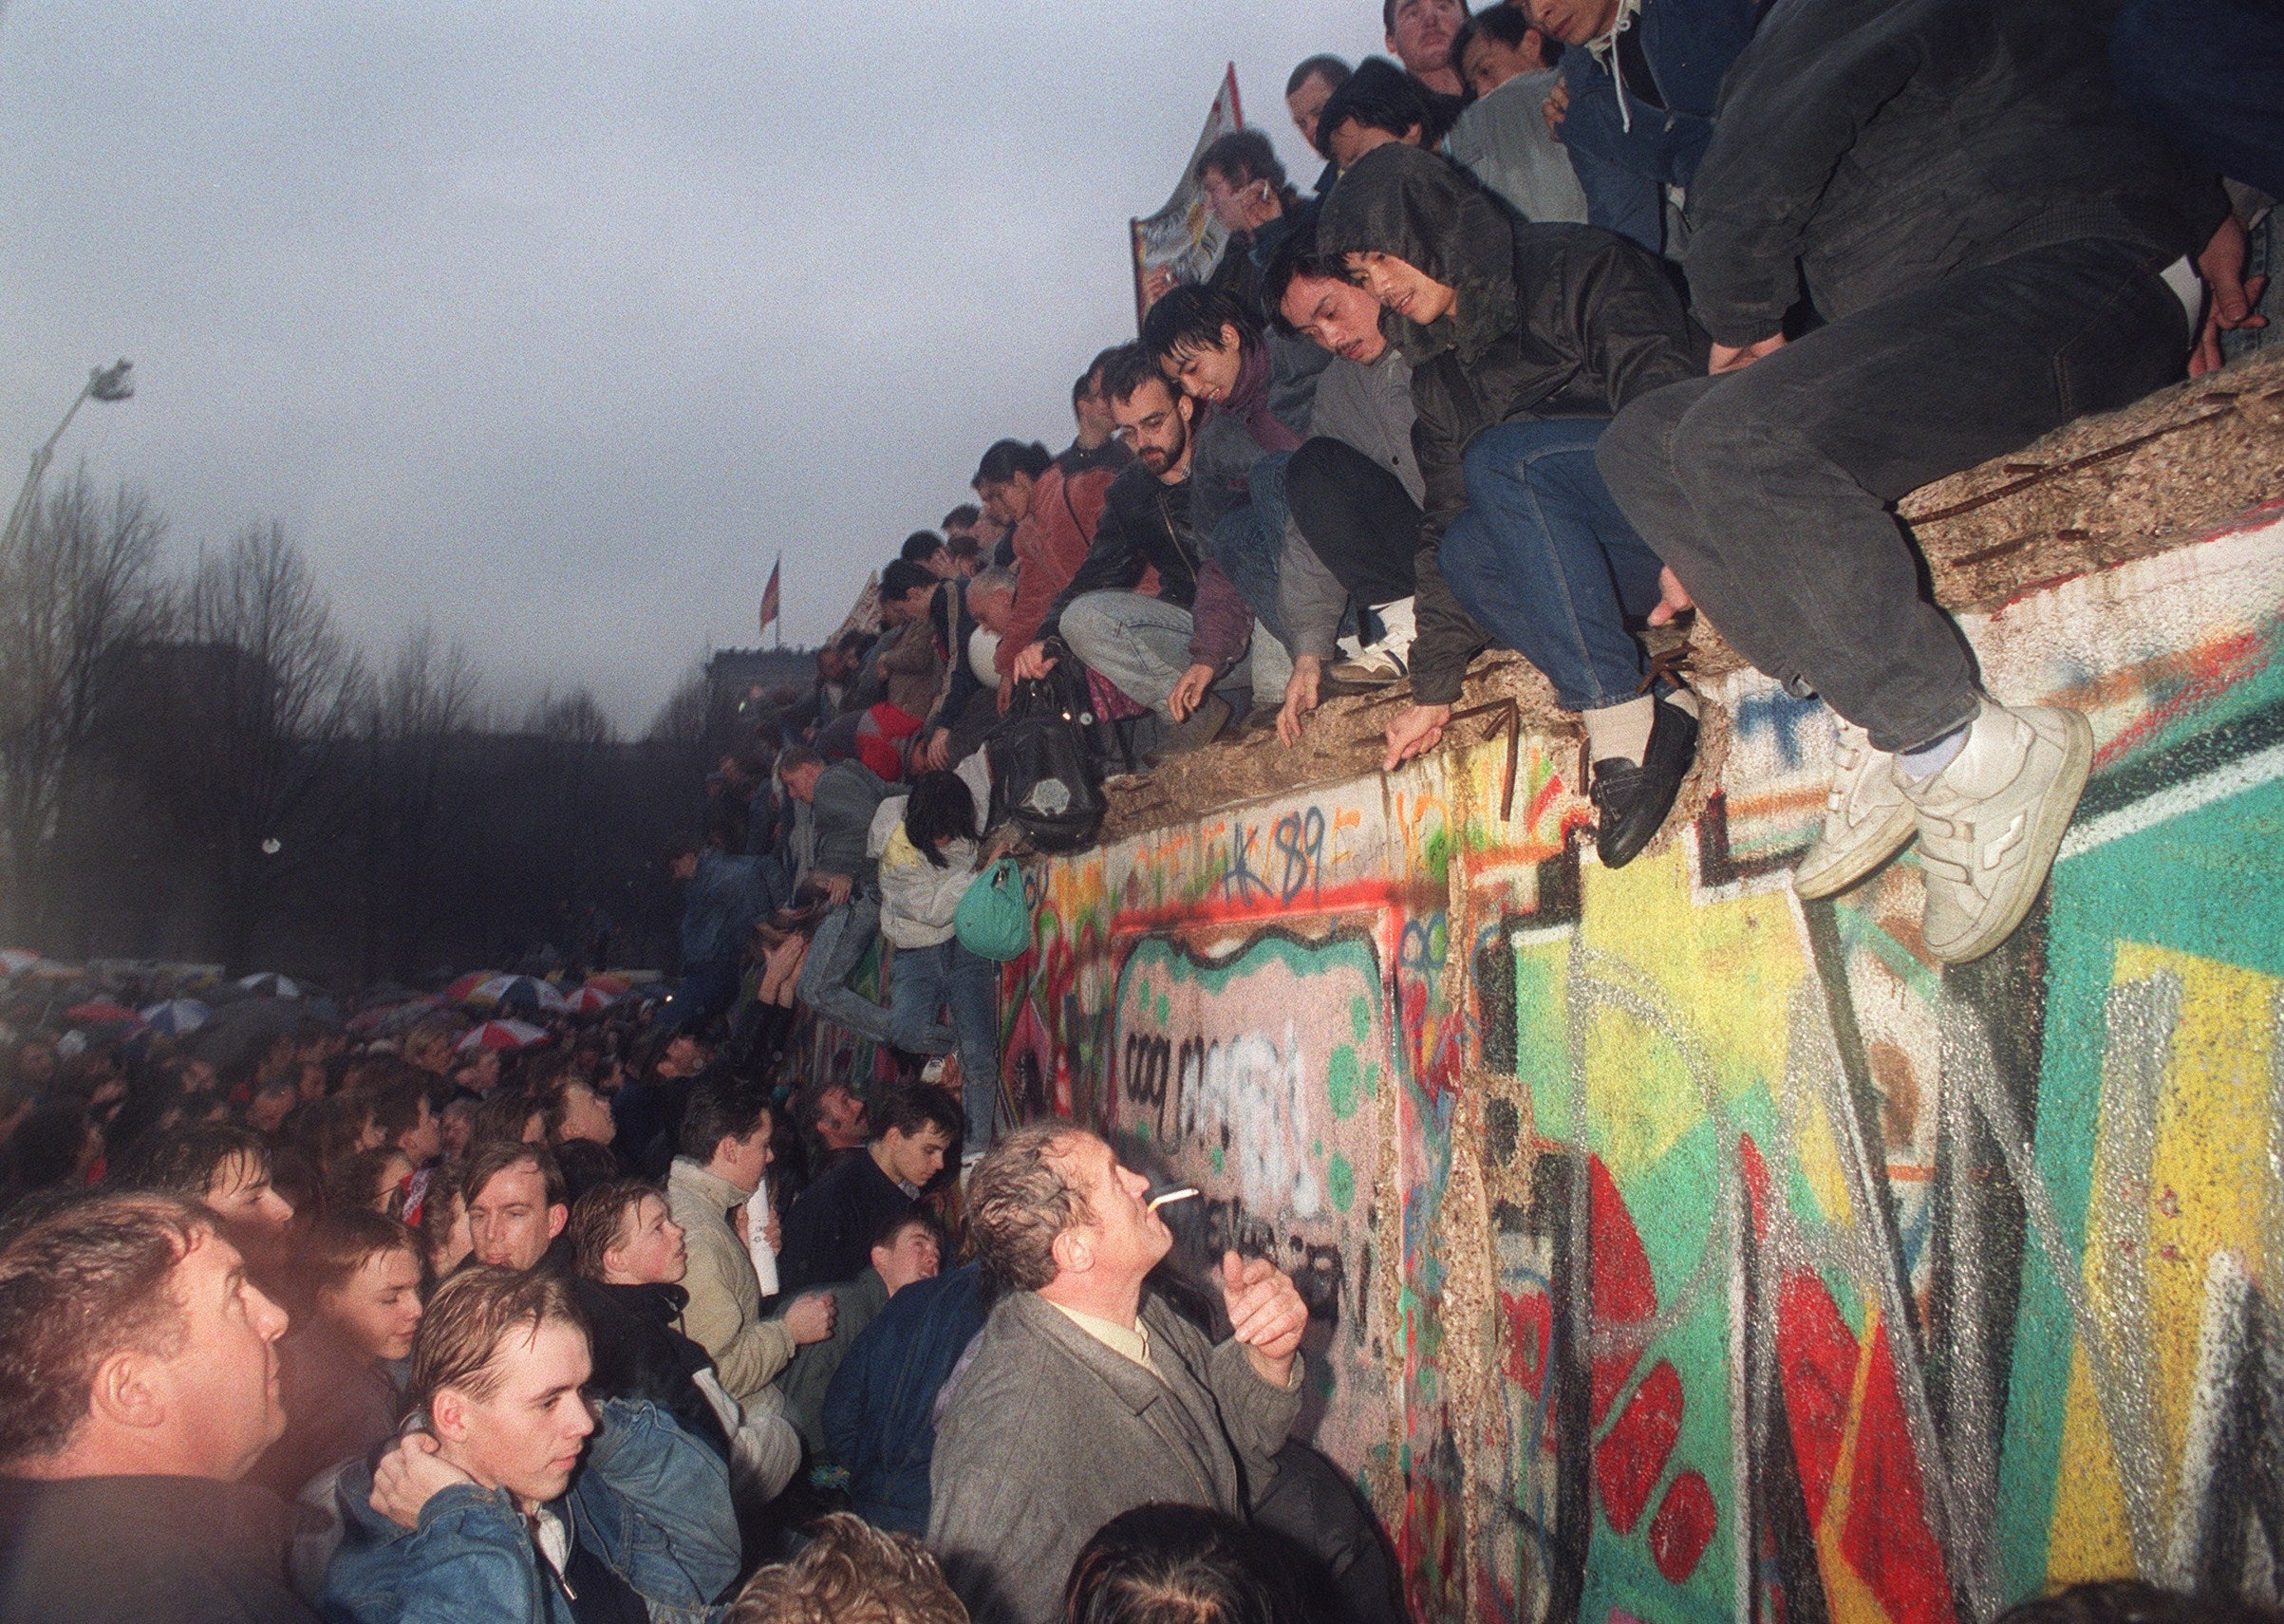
1684	700
1936	754
1621	731
1401	627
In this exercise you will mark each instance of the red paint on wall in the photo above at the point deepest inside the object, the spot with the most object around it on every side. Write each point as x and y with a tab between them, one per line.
1625	1296
1683	1528
1632	1455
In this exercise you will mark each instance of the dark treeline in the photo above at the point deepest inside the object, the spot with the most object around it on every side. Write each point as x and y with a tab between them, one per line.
199	765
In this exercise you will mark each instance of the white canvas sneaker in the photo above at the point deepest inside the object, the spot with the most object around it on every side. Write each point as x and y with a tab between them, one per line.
1992	819
1867	819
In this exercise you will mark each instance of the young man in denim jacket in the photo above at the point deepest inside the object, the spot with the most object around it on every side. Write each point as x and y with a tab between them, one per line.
519	1501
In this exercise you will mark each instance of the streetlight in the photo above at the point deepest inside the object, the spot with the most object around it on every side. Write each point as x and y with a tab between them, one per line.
104	384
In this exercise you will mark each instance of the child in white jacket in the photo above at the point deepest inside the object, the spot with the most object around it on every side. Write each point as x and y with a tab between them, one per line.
927	848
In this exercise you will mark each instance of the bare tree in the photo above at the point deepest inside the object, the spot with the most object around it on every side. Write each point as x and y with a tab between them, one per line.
683	719
572	717
285	686
83	587
407	725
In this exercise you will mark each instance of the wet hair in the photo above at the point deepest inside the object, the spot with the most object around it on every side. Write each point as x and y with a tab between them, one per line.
850	1573
721	1108
1191	316
1177	1564
901	576
1018	1202
187	1164
504	1115
1388	14
940	807
1128	369
396	1093
796	757
1331	69
914	1107
921	545
344	1241
1379	96
586	1165
350	1186
1009	457
79	1284
1242	156
961	516
1510	25
487	1161
1295	257
471	1314
891	1229
599	1218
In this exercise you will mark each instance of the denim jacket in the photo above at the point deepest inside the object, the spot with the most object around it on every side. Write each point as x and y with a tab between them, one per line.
648	1501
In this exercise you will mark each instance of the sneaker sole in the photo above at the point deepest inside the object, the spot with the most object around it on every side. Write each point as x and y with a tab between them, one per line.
2046	840
1902	828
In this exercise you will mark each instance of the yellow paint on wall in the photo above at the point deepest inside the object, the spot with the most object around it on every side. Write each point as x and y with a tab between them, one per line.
2089	1538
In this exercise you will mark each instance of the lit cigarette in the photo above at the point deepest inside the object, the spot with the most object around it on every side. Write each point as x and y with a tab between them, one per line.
1179	1192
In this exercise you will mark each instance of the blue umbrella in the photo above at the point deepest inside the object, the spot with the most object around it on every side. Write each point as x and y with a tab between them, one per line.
177	1016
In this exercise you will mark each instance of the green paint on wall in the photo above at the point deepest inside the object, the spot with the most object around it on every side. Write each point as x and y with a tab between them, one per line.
1360	1017
1340	1179
1342	1084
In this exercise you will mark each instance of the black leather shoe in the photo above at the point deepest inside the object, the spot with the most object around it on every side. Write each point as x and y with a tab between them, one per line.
1630	802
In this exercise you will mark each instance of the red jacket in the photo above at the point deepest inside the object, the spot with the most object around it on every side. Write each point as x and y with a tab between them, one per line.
1050	545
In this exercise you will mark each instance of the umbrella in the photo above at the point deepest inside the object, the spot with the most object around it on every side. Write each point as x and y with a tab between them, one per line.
463	990
98	1010
525	993
402	1018
236	1031
270	984
508	1035
605	983
590	999
177	1016
15	958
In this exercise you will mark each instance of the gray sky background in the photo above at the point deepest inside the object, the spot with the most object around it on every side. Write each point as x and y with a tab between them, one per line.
552	322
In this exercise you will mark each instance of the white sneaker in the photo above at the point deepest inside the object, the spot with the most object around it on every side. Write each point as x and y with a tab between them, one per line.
1867	819
1401	626
1992	819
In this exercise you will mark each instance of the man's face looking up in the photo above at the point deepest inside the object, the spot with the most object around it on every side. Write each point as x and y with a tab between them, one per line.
1306	104
1156	418
1423	33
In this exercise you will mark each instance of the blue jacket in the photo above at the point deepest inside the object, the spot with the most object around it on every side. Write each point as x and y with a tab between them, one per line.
726	895
1624	161
880	1409
648	1501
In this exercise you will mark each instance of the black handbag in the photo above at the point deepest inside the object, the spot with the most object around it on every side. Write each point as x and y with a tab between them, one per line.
1044	773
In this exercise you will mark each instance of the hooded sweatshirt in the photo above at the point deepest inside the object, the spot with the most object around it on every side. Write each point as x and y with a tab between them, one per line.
1552	321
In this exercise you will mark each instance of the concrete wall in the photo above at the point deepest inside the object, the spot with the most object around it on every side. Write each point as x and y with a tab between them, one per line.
1678	1250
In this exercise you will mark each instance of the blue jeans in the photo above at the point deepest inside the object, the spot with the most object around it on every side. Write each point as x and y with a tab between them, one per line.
842	936
1142	645
1247	542
1547	565
923	979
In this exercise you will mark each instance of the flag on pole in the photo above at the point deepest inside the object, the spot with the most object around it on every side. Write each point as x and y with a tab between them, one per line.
1183	242
769	593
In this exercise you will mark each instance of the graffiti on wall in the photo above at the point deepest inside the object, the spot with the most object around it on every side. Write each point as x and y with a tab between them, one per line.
1677	1249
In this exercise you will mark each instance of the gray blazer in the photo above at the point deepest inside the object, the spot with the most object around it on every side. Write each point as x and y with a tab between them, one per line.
1049	1434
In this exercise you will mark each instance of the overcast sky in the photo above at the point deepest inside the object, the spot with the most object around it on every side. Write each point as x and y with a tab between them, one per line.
554	323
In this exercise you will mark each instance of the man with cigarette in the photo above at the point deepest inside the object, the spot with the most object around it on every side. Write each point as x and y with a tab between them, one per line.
1087	1395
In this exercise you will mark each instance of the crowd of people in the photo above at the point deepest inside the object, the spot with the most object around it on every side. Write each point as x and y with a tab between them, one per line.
1601	312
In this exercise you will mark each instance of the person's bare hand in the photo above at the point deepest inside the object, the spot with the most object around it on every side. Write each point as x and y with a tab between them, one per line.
2230	295
1300	696
1556	107
1724	359
838	887
773	1232
936	754
1673	597
1190	692
1265	1313
1032	663
810	1320
1415	728
410	1473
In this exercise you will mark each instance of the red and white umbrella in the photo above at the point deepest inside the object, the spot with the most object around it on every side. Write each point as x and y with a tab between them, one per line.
269	983
177	1016
505	1036
95	1012
528	993
463	990
602	980
590	999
